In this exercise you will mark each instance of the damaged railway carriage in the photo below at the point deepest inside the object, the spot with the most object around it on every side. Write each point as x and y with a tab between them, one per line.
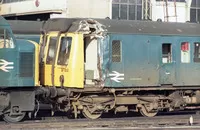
95	66
19	75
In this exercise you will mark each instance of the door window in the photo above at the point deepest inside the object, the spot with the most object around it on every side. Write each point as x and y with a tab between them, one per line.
185	52
64	52
196	52
116	51
51	50
166	53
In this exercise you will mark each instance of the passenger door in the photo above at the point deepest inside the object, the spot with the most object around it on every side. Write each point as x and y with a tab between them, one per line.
167	64
116	67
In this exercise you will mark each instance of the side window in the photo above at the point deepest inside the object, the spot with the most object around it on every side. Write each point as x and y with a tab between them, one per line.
185	52
116	51
64	52
6	40
166	53
43	40
196	52
51	50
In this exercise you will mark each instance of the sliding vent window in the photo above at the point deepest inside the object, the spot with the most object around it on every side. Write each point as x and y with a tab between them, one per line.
6	40
196	52
64	53
166	53
185	52
51	50
116	51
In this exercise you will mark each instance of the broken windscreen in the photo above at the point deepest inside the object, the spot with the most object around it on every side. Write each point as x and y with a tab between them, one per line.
6	40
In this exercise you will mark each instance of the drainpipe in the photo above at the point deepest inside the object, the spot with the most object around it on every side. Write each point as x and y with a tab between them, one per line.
187	8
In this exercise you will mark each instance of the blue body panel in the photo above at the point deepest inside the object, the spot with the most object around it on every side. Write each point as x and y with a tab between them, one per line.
141	61
26	47
11	77
17	63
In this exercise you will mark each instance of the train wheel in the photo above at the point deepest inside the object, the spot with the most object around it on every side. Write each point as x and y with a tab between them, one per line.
145	113
90	115
13	118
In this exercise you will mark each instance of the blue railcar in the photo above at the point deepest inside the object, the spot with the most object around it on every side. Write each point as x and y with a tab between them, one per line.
142	54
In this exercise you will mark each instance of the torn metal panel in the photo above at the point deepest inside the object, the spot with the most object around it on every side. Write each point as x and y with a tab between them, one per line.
85	26
89	26
104	55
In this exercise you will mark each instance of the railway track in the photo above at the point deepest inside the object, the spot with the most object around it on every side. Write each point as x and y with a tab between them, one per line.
62	123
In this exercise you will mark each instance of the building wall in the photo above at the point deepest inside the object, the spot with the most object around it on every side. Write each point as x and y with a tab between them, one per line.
182	9
122	9
24	7
89	8
58	8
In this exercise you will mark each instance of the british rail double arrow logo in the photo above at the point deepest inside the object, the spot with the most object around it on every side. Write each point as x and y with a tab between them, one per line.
5	65
116	76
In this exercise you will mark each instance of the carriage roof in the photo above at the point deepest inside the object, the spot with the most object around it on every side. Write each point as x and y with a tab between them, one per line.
127	26
111	26
25	27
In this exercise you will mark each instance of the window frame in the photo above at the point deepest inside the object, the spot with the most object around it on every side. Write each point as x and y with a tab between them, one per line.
169	57
120	51
195	56
47	57
188	51
8	40
69	51
136	3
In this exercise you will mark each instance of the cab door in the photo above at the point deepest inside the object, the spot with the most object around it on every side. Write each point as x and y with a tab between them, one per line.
167	65
69	62
64	60
50	54
60	66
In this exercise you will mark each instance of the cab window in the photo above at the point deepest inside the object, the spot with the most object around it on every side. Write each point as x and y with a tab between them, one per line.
51	50
6	40
64	52
196	52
